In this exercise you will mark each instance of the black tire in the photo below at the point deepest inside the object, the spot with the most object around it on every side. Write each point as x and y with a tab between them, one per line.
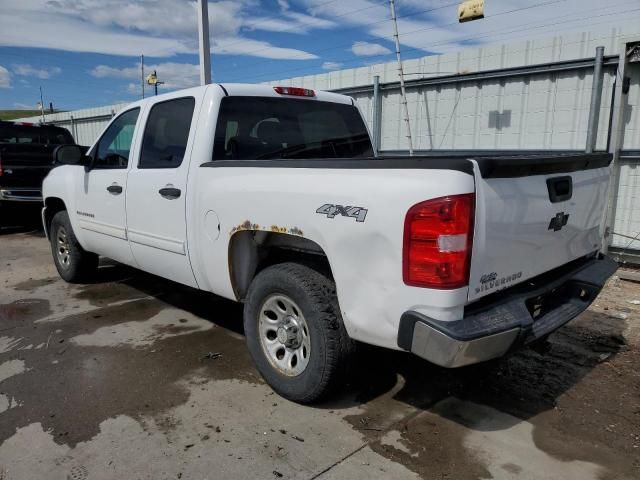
330	345
80	264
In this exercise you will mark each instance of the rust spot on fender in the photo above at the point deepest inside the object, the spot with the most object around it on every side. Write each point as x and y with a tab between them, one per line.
277	229
246	225
291	231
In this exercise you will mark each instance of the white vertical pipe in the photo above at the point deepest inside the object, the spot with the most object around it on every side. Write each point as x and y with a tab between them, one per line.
203	40
403	92
596	100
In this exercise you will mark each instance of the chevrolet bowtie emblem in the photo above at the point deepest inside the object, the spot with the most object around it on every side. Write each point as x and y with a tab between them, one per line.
559	221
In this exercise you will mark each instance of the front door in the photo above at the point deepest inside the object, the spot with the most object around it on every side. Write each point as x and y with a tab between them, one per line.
156	192
100	192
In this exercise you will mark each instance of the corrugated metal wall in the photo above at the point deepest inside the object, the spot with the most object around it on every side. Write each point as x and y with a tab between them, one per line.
85	125
541	111
529	112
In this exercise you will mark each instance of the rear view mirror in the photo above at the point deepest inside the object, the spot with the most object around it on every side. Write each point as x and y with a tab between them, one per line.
70	155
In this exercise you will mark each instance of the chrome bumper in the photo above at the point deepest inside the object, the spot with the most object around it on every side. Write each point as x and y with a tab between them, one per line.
21	195
509	319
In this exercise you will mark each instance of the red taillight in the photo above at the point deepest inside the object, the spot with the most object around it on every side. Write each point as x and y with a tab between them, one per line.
295	91
438	236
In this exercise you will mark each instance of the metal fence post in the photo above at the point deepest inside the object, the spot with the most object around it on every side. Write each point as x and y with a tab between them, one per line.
596	100
620	105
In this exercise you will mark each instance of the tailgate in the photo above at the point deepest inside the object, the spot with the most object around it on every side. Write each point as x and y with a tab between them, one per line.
534	214
25	165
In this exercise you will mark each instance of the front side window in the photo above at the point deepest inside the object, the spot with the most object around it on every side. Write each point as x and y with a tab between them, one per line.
115	145
255	128
166	134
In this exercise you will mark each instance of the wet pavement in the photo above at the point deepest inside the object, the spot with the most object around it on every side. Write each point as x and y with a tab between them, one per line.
137	377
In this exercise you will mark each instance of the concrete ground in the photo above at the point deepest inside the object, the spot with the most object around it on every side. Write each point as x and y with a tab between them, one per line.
135	377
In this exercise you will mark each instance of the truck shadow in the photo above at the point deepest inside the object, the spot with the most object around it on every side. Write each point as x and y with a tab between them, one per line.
20	219
523	384
384	383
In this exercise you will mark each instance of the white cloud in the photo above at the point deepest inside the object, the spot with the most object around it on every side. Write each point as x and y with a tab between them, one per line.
331	65
289	22
79	36
258	48
24	106
284	5
5	78
425	27
27	70
174	75
366	49
156	28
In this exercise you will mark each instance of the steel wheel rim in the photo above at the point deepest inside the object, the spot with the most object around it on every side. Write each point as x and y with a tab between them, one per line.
62	248
284	335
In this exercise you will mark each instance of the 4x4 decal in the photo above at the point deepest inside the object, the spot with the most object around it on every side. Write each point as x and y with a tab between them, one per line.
331	211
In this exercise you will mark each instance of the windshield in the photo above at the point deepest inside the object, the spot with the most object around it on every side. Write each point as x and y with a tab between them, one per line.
254	128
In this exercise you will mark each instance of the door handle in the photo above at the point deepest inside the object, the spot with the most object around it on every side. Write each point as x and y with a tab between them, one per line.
170	193
114	189
560	188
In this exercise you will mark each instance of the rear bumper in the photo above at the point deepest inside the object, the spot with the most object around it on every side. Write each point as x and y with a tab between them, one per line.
507	319
32	195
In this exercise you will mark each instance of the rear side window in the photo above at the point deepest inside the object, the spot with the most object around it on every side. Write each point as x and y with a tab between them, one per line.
255	128
166	134
56	136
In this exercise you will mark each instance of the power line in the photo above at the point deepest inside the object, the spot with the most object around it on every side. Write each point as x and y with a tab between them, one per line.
274	17
82	86
359	26
335	47
390	37
483	35
342	30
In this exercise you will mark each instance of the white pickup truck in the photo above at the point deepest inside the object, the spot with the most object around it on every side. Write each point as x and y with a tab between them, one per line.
271	196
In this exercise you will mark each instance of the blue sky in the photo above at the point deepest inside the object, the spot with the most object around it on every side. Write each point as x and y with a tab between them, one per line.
87	52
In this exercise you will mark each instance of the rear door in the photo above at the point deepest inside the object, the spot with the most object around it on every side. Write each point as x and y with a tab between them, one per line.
533	215
156	191
100	192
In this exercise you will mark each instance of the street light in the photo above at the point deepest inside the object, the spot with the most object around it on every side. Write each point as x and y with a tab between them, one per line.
470	10
152	79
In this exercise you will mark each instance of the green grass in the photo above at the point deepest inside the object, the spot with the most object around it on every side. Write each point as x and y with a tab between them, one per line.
11	114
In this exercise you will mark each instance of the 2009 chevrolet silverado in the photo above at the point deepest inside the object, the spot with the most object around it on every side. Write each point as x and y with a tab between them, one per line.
272	196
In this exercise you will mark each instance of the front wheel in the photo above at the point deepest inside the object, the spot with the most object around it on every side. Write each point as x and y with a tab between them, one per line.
74	264
295	332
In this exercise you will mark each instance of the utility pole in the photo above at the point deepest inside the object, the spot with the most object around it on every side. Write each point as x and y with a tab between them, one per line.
142	73
203	40
403	92
41	105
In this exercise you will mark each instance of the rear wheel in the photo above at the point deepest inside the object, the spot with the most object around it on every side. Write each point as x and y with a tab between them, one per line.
74	264
295	332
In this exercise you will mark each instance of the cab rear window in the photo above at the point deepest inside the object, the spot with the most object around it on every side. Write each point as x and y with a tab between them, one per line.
16	133
256	128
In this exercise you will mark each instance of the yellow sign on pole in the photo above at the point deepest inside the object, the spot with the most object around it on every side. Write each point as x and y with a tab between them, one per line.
470	10
152	78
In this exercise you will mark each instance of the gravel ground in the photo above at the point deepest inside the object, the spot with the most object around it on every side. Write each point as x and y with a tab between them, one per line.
136	377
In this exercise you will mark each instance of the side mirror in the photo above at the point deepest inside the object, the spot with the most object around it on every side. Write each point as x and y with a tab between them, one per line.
70	155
